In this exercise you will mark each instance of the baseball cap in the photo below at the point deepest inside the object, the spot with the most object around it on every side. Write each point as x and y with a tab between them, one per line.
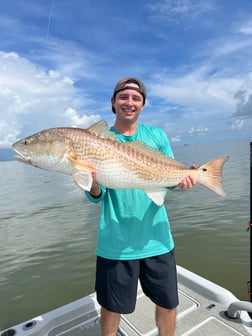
122	85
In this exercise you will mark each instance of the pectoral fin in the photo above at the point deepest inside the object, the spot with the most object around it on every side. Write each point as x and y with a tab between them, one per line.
83	179
82	165
157	196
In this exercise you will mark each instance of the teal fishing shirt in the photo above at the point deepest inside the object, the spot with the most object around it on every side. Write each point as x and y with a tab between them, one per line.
131	225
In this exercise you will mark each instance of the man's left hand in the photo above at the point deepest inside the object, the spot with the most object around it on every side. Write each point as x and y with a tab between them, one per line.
187	182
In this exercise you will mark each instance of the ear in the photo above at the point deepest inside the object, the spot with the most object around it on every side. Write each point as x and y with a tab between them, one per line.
112	104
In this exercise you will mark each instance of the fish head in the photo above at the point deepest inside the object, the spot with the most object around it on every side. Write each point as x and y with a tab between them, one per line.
44	150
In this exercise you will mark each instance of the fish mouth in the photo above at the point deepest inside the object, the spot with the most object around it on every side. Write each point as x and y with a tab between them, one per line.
21	157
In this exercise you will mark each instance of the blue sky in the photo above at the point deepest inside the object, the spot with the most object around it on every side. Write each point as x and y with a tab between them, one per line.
60	60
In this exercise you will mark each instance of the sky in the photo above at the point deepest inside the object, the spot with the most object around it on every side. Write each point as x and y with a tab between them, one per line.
60	60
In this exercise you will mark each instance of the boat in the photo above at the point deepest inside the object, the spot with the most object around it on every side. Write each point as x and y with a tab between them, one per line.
205	308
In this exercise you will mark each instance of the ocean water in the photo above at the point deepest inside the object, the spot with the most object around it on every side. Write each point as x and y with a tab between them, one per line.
48	232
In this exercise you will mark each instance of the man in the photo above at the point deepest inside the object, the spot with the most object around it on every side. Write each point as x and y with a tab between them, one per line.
134	239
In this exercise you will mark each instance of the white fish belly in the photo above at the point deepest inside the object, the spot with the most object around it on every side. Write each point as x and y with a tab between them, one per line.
116	176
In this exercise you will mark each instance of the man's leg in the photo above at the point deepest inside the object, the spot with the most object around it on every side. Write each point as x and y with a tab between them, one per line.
114	278
166	321
158	277
109	322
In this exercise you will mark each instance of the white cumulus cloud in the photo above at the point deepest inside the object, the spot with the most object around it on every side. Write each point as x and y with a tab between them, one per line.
81	121
32	99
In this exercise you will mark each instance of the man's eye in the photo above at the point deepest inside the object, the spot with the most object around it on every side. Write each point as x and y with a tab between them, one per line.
136	98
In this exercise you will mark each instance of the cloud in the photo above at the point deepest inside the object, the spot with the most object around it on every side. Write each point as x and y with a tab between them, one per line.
8	133
177	10
83	121
32	99
176	138
237	125
196	102
244	99
68	58
196	90
244	105
245	28
200	130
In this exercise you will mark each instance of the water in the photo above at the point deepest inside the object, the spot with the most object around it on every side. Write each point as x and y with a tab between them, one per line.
48	233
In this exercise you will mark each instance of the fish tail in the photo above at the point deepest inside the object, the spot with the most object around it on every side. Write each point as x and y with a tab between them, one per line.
211	174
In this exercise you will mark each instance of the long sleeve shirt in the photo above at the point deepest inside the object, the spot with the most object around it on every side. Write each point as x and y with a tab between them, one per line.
131	225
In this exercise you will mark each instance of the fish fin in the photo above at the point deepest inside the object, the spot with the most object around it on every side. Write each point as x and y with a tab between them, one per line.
211	174
83	179
157	196
152	151
82	165
101	128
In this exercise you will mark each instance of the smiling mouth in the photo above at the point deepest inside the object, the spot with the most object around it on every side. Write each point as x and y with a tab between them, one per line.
128	111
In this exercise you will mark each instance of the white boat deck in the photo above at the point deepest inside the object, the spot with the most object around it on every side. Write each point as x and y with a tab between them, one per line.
201	312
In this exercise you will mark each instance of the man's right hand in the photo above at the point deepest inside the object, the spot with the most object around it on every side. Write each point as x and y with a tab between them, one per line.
95	190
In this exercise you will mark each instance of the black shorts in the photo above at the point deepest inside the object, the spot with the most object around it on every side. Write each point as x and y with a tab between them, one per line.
116	282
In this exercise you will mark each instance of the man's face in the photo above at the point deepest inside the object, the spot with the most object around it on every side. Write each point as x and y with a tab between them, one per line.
128	103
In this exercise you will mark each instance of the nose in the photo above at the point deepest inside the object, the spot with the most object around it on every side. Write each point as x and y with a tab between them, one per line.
129	101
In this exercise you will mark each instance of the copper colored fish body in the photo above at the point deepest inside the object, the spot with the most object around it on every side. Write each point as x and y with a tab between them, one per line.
81	152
